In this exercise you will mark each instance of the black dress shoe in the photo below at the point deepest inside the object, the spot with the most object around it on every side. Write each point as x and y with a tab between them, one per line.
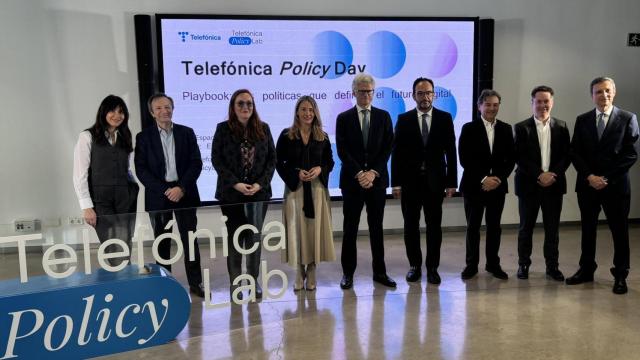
497	272
197	290
620	286
523	272
346	282
433	277
620	283
414	274
384	279
581	276
469	272
555	274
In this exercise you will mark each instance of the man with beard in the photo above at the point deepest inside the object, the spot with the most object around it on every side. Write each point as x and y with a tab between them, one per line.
423	170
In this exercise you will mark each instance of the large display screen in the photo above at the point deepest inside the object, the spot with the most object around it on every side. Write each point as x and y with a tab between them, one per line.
204	59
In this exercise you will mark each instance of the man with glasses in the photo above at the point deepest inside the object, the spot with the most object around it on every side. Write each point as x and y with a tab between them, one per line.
423	170
364	136
168	164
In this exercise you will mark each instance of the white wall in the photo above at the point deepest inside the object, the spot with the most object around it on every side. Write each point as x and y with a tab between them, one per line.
60	58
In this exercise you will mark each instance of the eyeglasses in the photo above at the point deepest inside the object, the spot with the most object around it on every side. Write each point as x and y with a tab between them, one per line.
425	93
242	104
365	92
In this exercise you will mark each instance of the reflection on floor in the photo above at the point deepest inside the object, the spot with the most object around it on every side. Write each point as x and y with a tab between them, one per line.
482	318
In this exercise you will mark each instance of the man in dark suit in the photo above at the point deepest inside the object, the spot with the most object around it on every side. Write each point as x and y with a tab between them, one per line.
168	163
423	165
603	148
364	137
542	148
486	150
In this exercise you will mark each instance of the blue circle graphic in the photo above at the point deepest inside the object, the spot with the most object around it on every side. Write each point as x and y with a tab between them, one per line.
333	49
386	54
446	101
387	98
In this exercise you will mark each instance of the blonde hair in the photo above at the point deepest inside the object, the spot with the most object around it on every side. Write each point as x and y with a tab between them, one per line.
316	124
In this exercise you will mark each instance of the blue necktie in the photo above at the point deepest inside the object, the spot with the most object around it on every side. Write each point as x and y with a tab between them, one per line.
601	125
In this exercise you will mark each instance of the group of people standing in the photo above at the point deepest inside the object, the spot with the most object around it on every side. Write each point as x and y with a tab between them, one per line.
168	163
423	172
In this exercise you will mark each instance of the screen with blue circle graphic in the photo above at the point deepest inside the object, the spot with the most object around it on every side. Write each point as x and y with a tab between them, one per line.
204	59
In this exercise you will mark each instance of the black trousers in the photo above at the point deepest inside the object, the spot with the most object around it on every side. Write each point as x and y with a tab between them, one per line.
413	200
474	208
237	215
186	220
353	202
115	207
528	205
616	209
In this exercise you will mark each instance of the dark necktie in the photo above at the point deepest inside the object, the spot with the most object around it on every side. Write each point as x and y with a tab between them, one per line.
601	125
365	127
425	129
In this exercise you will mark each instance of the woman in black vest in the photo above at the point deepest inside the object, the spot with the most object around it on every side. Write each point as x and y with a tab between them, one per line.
304	163
103	182
244	157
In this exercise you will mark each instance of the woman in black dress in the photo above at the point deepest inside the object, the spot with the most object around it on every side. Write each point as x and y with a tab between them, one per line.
244	157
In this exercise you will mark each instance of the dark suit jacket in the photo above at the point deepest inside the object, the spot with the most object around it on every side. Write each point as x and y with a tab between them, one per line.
354	156
439	154
227	160
290	154
529	159
477	159
610	157
150	165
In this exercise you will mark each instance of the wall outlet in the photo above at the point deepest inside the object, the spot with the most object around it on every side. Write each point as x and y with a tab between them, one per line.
26	225
75	220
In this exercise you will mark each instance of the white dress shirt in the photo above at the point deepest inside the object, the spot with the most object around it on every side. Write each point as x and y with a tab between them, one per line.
361	116
605	118
544	140
489	128
429	117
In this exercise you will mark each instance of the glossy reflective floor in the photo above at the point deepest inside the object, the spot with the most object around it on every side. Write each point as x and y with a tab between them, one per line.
482	318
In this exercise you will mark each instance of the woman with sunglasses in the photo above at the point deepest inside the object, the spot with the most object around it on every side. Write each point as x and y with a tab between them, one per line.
244	157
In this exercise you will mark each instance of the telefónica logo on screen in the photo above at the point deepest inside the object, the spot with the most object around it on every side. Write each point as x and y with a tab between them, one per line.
185	35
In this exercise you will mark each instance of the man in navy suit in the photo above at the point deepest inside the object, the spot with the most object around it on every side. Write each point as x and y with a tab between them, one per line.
486	152
423	165
603	148
168	164
542	144
364	136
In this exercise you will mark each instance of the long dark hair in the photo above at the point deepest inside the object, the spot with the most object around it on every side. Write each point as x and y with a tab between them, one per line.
254	130
112	103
